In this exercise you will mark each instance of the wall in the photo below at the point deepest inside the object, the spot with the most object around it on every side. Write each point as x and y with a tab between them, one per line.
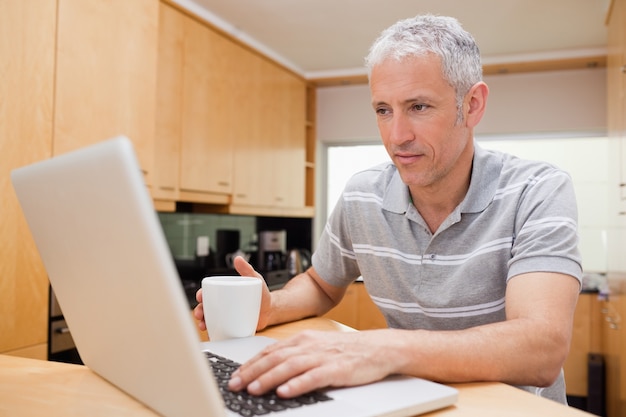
558	101
182	230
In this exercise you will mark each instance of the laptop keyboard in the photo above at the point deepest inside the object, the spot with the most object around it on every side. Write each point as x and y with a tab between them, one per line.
251	405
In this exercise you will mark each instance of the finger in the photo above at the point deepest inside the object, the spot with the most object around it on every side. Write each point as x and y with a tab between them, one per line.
301	375
313	379
244	268
282	375
198	313
252	369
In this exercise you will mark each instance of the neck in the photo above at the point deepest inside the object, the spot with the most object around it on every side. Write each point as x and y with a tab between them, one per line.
437	201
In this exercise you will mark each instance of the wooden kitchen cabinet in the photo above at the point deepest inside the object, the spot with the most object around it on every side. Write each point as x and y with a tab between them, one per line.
194	131
290	142
252	172
231	125
168	104
614	349
27	36
106	74
270	153
311	145
206	139
598	329
357	310
586	339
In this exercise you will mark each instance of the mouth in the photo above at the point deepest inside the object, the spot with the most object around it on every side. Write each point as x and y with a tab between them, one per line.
404	158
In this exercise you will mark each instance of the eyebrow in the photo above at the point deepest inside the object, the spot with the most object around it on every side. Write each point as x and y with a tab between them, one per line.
419	99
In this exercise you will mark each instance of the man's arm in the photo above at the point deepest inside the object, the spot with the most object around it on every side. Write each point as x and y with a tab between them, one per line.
529	348
304	295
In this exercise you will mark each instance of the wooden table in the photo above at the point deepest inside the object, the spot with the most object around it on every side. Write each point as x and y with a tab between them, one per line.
30	387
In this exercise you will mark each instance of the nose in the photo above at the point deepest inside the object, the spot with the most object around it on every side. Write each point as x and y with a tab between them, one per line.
400	129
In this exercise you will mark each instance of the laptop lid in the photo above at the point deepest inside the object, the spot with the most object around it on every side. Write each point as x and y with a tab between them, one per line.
107	259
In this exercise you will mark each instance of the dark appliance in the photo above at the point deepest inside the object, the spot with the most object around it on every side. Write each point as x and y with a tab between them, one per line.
272	250
271	258
61	347
227	242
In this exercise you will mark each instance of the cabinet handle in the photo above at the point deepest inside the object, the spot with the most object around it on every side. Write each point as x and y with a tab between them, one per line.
62	330
612	317
223	183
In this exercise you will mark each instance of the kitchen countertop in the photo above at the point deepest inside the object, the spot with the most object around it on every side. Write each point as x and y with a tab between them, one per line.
30	387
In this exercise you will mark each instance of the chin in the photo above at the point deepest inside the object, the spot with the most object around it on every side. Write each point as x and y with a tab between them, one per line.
414	180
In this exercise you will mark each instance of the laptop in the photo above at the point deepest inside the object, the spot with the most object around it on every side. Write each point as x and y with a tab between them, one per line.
94	224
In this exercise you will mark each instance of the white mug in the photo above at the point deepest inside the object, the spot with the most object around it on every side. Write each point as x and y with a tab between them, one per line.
231	306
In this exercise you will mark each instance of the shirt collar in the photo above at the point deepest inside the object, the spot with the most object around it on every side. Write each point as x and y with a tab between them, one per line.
486	170
397	198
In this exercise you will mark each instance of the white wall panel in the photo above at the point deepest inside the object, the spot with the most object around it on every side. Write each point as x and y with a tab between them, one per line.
558	101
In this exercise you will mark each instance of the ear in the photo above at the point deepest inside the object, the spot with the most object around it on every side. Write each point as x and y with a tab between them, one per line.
475	103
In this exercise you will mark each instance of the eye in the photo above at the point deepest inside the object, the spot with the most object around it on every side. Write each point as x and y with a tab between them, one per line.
382	111
419	107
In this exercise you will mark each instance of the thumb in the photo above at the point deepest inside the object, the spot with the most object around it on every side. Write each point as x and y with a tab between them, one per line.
244	268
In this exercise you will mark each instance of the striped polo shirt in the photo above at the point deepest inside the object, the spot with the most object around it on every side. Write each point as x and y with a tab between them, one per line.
518	216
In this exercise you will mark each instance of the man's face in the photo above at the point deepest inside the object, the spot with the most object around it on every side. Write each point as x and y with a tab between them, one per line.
417	118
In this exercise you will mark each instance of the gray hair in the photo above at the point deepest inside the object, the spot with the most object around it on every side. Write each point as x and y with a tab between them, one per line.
440	35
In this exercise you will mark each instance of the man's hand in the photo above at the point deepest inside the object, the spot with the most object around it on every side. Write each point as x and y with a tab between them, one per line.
314	359
244	269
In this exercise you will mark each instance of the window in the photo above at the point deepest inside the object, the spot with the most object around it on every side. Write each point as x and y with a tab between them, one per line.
345	161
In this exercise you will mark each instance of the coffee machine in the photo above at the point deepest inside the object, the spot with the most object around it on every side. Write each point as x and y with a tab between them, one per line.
272	250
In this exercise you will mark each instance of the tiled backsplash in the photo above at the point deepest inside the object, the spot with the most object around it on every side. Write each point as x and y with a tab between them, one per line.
183	229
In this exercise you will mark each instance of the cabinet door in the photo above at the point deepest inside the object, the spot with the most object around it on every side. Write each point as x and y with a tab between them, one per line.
370	317
586	339
169	103
106	74
289	142
357	310
347	311
614	346
252	155
207	142
27	34
270	155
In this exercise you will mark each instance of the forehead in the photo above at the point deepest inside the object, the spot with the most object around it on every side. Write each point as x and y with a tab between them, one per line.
398	79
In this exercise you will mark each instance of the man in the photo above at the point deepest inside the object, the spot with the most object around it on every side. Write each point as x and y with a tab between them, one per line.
471	255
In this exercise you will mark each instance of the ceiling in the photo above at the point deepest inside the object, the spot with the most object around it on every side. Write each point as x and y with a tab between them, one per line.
325	38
